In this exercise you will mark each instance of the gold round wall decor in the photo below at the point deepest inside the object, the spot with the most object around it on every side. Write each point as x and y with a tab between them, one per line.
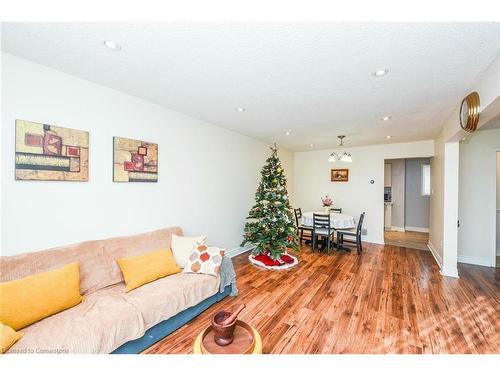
469	112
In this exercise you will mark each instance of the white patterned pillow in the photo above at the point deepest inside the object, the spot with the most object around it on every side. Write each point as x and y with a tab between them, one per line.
182	247
205	260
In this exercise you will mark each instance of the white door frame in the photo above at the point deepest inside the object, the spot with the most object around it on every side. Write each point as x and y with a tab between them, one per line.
450	209
495	244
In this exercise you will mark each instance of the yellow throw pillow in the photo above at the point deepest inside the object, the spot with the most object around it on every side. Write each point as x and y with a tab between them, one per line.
8	337
33	298
142	269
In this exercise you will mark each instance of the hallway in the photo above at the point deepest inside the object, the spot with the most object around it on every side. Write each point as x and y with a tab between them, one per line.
409	239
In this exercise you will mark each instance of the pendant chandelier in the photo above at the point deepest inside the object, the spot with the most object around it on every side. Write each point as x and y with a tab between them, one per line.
345	156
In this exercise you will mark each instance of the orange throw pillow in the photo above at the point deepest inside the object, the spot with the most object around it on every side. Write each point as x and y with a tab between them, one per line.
142	269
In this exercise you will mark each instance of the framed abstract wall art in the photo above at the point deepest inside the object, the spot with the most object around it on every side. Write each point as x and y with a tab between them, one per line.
51	153
134	161
340	175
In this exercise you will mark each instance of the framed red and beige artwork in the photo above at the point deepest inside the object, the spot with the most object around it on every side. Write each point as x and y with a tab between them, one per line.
134	161
51	153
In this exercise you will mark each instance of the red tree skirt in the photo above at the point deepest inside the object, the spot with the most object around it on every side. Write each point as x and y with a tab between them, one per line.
265	261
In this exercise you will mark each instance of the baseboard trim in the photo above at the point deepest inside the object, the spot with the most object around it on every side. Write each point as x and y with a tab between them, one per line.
474	260
371	240
417	229
450	272
396	229
435	254
238	250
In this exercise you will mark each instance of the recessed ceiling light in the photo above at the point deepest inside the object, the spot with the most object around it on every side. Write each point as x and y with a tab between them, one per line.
386	118
388	136
241	109
311	145
287	133
112	45
380	72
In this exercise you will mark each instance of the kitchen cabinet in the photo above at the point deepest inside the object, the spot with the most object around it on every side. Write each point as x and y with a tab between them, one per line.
387	175
387	215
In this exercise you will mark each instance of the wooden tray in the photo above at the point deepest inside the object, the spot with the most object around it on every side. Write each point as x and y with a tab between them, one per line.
243	343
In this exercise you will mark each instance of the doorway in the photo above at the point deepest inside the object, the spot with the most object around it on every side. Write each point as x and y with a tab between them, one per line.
406	202
498	212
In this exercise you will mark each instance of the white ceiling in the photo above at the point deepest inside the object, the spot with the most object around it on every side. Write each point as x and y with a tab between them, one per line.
313	80
493	124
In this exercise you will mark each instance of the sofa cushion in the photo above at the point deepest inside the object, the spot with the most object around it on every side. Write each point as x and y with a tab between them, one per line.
166	297
97	259
90	256
100	324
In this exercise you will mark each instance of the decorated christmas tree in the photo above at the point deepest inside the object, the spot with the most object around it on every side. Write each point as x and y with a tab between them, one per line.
271	224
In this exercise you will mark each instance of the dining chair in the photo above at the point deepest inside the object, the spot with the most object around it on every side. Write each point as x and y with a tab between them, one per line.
336	210
302	229
355	232
322	228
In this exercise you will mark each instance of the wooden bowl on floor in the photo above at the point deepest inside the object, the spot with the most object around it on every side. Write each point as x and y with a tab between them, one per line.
243	342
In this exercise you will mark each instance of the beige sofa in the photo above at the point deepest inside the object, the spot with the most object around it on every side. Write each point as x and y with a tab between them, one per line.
108	317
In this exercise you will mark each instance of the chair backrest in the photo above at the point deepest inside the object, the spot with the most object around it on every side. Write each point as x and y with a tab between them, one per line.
337	210
321	221
360	224
298	215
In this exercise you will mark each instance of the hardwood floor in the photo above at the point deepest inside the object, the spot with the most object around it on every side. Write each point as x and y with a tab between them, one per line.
387	300
412	240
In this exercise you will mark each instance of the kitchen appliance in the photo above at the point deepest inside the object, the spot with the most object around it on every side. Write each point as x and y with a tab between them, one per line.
387	194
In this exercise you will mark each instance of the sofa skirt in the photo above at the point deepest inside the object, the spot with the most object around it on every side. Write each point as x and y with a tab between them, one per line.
165	328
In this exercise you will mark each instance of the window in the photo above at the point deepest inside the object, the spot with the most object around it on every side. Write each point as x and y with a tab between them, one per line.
426	179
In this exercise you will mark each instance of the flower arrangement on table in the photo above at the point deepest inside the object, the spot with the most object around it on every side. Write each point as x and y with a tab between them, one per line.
327	203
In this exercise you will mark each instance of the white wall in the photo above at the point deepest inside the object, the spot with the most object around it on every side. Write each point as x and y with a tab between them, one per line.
436	215
397	193
489	90
416	204
450	209
477	195
488	87
498	203
312	171
287	161
207	174
498	180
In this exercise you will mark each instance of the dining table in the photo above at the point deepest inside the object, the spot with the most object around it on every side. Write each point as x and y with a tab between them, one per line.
337	221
